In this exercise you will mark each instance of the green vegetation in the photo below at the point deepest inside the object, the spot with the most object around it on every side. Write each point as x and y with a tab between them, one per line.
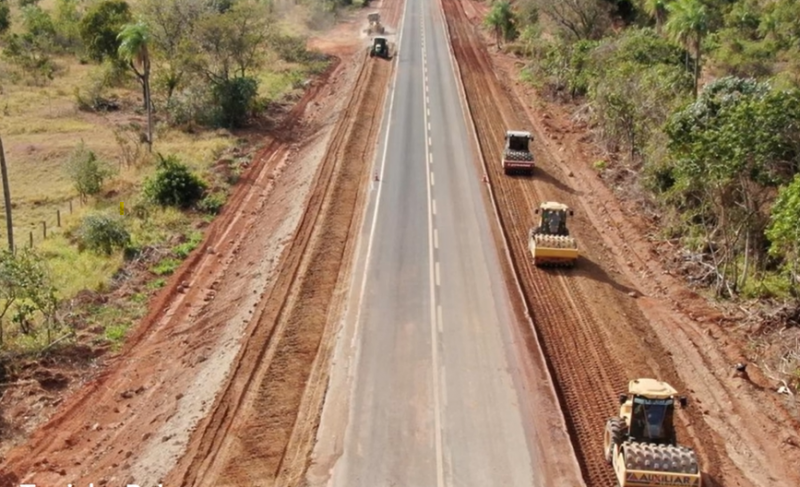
130	80
699	102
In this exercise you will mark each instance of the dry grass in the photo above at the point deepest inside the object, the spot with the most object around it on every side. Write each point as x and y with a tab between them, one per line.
41	125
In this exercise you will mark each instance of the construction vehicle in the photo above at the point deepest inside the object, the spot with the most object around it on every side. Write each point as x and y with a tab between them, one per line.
380	48
641	443
550	243
375	26
517	156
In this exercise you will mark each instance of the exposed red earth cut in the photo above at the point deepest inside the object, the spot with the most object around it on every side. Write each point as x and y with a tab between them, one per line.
134	422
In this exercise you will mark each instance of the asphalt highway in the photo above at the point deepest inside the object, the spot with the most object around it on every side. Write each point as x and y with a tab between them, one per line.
421	393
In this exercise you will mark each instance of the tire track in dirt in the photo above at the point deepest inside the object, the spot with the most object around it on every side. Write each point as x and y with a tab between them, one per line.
252	424
581	346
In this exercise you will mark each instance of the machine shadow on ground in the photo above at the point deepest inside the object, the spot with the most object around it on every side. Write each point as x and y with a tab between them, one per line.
585	267
542	175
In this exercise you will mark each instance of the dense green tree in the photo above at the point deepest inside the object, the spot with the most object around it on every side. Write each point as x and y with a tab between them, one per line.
784	230
100	27
730	150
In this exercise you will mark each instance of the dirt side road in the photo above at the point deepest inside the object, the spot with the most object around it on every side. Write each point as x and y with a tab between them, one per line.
134	422
595	334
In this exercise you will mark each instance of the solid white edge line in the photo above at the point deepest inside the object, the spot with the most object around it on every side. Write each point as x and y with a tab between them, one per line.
371	237
437	420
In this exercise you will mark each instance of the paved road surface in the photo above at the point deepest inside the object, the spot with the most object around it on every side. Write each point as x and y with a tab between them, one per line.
429	401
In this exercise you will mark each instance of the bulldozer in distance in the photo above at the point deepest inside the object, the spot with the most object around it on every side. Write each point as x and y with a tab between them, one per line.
375	26
550	243
641	444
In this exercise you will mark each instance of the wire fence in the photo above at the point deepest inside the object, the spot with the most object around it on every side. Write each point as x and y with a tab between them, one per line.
35	233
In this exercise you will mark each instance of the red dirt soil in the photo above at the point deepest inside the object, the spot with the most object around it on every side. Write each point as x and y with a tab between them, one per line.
616	316
134	421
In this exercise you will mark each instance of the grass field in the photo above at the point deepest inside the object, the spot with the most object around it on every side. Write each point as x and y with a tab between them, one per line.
41	126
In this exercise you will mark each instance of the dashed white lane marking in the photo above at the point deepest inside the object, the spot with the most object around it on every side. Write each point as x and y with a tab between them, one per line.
430	141
434	206
435	238
438	276
433	181
429	127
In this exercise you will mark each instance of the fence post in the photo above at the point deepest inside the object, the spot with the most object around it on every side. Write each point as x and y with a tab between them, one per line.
31	242
58	218
44	229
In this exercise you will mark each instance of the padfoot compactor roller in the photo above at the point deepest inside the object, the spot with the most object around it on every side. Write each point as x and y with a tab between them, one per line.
550	243
641	443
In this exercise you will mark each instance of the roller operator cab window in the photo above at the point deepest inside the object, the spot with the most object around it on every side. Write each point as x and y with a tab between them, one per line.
518	143
554	222
652	419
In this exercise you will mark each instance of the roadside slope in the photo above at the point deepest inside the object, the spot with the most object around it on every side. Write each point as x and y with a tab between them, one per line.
594	333
133	422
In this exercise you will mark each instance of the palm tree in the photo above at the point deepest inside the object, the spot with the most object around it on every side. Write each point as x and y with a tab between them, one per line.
657	9
501	19
134	40
688	25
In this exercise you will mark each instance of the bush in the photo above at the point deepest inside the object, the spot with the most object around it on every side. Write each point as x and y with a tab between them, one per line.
174	184
234	99
86	171
103	233
5	17
212	204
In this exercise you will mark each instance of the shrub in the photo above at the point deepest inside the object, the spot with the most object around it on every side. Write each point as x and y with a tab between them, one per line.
212	204
103	233
5	17
234	98
86	171
174	184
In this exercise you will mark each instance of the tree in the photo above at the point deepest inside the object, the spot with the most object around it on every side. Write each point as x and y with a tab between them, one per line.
101	25
582	19
133	48
233	42
232	45
784	230
5	16
501	18
657	10
26	287
688	25
30	50
731	149
86	171
172	27
67	19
